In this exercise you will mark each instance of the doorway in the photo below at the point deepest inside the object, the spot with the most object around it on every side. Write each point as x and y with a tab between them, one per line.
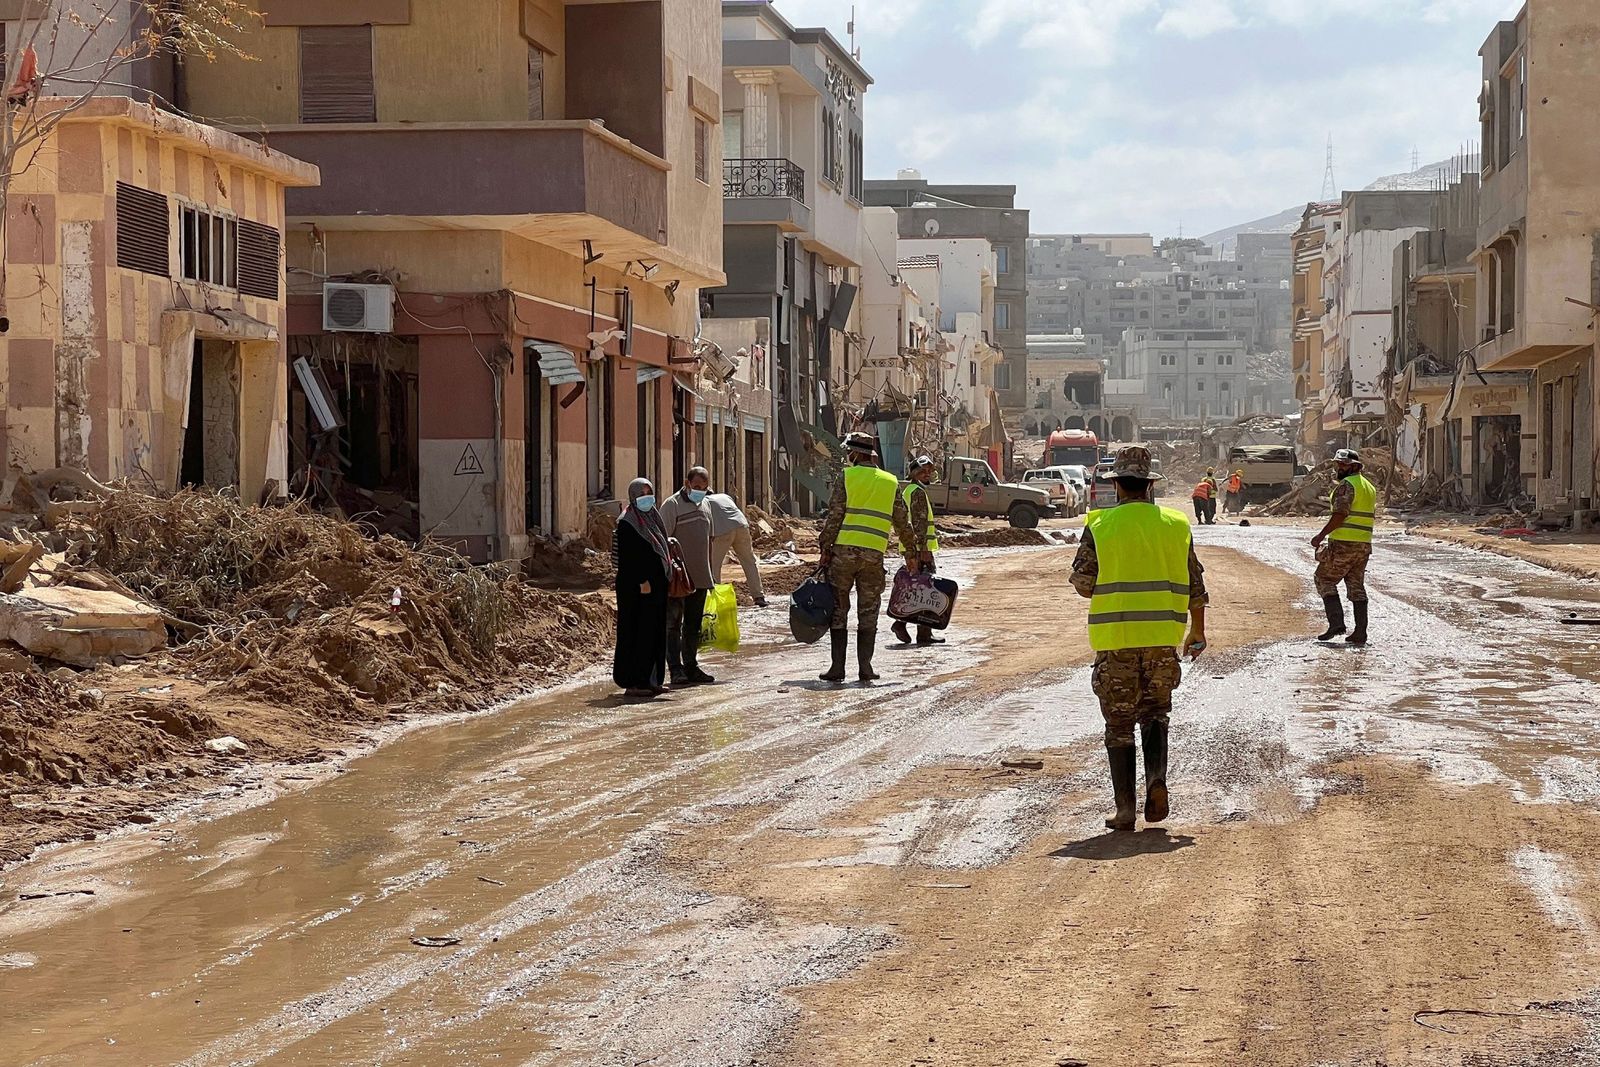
211	434
540	441
1497	472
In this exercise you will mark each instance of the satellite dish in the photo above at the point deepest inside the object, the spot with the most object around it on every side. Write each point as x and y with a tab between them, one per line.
931	227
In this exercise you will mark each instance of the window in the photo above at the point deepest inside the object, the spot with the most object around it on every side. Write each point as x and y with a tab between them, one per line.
1224	387
208	247
336	74
1002	376
733	135
144	230
1002	259
1200	386
1522	96
1200	359
972	373
535	83
702	150
1002	316
827	144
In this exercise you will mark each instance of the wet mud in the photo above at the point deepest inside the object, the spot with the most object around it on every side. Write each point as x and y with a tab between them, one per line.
772	870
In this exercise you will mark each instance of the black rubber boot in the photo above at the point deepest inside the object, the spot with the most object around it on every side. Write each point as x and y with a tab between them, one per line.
901	633
1335	609
1358	636
925	636
1155	770
866	641
1124	760
841	643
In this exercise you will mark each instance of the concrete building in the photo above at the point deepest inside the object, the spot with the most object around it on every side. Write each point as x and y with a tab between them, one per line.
1067	383
791	182
988	212
498	266
1186	377
147	321
1537	249
733	408
1358	261
1309	244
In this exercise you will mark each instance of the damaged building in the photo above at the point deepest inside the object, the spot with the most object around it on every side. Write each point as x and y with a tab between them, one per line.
494	290
146	335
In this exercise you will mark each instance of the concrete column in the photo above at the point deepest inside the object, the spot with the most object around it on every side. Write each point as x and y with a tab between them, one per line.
760	134
625	417
263	418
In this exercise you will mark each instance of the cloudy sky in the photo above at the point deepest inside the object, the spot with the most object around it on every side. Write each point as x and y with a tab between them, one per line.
1141	114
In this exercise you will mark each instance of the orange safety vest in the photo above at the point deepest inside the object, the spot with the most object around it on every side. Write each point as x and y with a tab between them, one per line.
1203	490
1235	484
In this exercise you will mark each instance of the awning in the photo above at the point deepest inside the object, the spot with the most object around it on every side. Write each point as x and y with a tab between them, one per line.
683	383
649	374
557	364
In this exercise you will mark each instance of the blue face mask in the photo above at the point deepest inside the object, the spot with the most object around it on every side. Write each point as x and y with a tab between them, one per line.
645	503
696	495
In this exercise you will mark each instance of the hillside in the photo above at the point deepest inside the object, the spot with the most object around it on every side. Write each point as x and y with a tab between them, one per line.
1285	221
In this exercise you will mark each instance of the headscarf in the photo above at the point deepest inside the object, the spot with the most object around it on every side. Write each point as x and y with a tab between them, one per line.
647	524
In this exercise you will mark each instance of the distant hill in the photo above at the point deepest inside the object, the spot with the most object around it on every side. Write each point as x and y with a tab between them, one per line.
1287	220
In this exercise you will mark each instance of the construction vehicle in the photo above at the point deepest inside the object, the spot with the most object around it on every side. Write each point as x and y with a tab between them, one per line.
1268	470
970	487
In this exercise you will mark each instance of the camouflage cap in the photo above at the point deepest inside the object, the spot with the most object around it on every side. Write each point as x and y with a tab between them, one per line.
1133	461
1348	455
861	442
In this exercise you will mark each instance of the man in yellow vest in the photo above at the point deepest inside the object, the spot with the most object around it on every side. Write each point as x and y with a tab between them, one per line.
865	510
920	510
1348	534
1137	566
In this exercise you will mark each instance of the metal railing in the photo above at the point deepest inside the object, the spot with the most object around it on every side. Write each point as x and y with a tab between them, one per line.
743	178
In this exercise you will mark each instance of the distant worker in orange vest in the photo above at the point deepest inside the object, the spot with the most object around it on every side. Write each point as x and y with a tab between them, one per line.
1235	500
1205	500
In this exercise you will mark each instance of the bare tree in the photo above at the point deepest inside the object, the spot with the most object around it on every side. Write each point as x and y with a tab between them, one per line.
61	54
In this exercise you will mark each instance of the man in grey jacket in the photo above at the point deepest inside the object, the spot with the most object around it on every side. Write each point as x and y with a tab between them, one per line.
688	521
730	532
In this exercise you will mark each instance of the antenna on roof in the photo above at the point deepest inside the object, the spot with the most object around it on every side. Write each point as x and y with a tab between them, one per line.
850	28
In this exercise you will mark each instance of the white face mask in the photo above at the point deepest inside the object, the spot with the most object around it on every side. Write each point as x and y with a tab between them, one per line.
645	503
696	495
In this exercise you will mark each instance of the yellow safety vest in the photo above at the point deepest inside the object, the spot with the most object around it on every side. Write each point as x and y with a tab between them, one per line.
1141	595
1363	513
931	541
868	508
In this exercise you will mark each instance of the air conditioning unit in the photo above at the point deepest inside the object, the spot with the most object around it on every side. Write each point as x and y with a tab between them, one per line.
350	308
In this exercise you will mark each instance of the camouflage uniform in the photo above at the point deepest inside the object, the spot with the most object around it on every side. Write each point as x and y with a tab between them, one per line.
860	569
1134	684
1343	561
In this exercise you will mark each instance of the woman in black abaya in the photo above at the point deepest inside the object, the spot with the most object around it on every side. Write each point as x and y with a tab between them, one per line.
639	548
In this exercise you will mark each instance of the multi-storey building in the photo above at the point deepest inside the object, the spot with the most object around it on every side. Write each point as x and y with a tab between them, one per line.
792	186
988	212
499	274
1183	376
1537	279
146	313
1310	301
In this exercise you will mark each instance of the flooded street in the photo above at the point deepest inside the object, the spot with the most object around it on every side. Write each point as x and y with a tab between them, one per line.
1374	856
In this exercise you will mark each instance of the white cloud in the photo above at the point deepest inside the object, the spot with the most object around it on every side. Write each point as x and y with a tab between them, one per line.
1198	18
1088	32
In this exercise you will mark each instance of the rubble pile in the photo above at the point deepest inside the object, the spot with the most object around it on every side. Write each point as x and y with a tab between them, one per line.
570	565
996	537
768	531
1311	492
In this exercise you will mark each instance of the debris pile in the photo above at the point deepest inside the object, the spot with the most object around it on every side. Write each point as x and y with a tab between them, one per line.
1311	493
997	537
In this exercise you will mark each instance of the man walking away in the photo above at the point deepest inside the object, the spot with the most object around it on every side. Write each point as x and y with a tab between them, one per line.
1354	507
1235	502
1205	503
1138	567
920	510
730	530
865	509
687	519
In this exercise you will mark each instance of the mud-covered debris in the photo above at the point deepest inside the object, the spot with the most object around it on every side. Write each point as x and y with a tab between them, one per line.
82	627
1023	764
435	942
226	746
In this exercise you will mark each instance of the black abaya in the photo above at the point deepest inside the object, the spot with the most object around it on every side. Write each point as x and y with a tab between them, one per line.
641	657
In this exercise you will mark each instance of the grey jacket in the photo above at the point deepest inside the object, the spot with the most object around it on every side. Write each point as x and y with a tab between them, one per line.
691	525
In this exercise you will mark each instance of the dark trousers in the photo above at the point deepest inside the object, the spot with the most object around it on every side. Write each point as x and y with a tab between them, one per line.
1205	510
684	616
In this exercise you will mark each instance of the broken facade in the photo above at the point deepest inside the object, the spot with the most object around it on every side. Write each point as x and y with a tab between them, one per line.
147	308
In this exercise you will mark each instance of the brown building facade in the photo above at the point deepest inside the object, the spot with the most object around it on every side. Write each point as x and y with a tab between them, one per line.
527	188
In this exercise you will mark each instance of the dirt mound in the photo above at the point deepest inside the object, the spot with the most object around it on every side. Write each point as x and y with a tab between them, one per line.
571	565
1004	537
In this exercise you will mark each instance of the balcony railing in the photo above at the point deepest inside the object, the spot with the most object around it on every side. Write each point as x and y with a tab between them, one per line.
745	178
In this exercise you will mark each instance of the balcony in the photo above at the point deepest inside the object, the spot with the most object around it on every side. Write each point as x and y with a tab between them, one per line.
557	183
767	191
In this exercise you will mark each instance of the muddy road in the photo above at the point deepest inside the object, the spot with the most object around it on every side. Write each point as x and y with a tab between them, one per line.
1384	856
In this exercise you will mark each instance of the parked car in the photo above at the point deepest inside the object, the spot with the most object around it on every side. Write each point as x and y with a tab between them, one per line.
970	487
1065	491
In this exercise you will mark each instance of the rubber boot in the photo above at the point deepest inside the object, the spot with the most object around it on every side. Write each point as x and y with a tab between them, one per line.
1155	770
925	636
901	633
1335	609
866	640
841	642
1358	636
1124	760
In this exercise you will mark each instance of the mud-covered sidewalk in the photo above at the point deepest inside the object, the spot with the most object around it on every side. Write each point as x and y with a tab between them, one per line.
1375	856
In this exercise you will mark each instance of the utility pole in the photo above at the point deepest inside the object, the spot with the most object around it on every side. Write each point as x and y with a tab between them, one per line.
1330	186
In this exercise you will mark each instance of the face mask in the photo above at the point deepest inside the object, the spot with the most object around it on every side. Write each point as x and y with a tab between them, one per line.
645	503
696	495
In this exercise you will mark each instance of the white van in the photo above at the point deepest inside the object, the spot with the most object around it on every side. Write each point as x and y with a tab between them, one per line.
1067	489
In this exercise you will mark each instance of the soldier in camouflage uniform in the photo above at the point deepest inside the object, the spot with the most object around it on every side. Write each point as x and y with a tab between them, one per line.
923	469
1348	548
866	506
1137	565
